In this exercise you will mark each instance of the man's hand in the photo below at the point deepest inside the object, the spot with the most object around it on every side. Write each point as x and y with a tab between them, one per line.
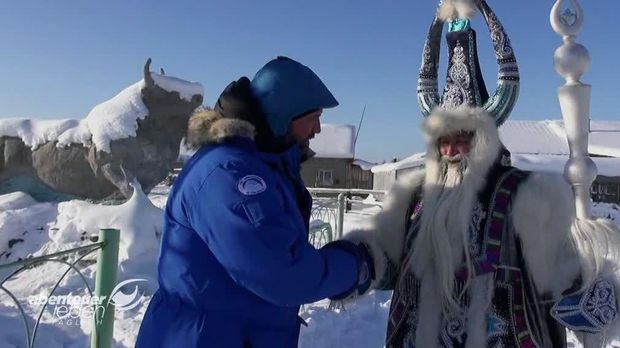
366	267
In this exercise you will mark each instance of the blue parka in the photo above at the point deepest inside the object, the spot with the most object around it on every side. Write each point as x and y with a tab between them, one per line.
235	262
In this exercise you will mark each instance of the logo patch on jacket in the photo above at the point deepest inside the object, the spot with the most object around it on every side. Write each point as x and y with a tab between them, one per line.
251	185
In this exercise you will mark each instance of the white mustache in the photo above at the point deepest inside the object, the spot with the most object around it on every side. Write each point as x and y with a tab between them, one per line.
452	159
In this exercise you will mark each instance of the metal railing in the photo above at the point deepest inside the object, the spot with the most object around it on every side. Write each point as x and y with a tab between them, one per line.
320	234
314	190
105	280
331	211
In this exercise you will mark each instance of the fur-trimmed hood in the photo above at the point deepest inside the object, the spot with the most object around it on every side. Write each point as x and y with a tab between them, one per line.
210	127
485	144
237	112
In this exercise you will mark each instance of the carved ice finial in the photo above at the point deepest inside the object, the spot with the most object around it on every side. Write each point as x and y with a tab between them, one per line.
560	21
571	59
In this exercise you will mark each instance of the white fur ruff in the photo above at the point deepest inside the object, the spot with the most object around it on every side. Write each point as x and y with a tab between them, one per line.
450	10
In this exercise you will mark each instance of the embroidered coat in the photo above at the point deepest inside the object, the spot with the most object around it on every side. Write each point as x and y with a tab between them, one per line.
526	256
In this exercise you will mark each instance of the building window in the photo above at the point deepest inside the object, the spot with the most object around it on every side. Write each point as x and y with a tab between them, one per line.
326	177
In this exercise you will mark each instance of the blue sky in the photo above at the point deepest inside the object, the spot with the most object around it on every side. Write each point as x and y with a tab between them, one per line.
61	58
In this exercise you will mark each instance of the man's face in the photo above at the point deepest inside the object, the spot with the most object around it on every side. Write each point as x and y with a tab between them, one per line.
304	128
455	146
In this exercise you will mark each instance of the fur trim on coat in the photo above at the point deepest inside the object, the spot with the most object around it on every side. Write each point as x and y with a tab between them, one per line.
209	127
386	234
485	145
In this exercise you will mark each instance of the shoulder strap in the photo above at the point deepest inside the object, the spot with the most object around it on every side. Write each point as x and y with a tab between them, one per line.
498	213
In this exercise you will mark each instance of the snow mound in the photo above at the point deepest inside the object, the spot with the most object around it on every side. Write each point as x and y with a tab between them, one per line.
23	226
16	200
28	230
139	221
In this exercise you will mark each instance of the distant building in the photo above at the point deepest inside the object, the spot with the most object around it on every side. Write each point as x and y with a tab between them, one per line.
334	165
384	175
541	146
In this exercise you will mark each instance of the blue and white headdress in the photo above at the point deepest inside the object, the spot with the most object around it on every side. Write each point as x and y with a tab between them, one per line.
464	84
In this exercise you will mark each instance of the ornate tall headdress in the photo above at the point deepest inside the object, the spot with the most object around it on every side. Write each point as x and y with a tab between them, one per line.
464	84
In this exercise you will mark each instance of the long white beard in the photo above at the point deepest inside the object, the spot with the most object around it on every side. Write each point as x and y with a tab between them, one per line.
444	226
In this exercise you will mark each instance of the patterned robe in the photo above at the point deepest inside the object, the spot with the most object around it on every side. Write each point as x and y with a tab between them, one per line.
516	315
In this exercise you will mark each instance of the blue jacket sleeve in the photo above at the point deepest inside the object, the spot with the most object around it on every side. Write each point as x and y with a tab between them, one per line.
261	248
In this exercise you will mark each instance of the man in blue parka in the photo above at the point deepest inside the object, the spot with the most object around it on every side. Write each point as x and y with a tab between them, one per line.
235	262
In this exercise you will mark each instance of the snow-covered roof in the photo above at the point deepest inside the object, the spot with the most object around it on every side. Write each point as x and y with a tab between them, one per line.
111	120
548	163
536	145
553	163
549	137
412	161
365	165
534	137
334	141
605	138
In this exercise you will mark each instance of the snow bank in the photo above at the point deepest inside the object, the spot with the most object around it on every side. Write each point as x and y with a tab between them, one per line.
28	228
111	120
607	211
23	226
361	324
53	227
138	220
48	335
44	228
16	200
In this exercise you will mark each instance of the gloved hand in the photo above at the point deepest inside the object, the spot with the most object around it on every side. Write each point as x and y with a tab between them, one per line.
366	267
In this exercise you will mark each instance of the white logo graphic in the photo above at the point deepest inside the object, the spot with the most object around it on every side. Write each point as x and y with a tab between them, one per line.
122	301
72	309
251	185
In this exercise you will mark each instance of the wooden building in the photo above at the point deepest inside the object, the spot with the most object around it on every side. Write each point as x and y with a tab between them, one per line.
334	165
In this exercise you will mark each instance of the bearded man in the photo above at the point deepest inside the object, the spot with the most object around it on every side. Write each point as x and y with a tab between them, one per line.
477	252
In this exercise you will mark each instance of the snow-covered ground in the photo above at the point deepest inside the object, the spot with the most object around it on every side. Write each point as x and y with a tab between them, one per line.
29	228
